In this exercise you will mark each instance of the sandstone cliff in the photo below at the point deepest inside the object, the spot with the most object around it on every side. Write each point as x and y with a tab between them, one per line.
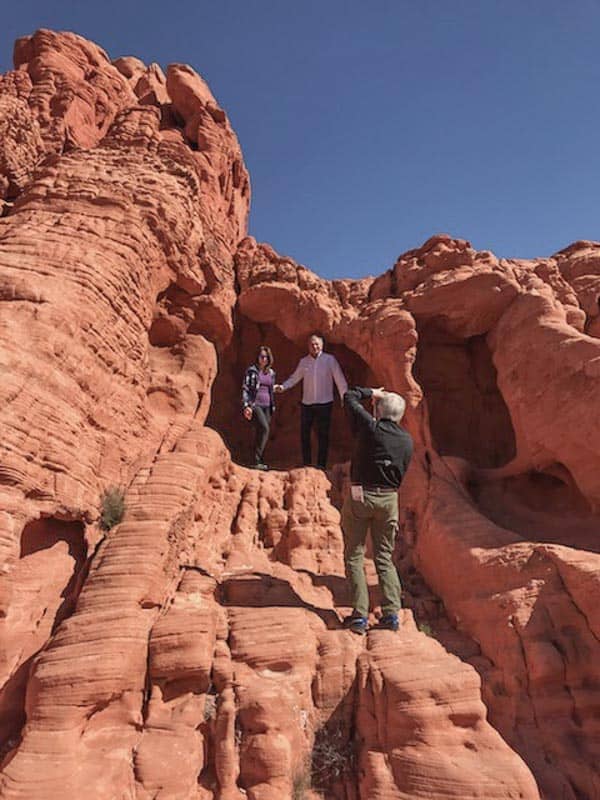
194	651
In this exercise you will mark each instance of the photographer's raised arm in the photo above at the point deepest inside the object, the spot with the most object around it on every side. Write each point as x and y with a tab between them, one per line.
353	401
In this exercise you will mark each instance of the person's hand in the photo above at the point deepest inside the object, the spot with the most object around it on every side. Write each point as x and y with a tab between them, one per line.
248	412
278	388
376	395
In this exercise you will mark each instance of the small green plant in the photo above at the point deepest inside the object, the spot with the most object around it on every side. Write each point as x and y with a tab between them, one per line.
425	628
112	507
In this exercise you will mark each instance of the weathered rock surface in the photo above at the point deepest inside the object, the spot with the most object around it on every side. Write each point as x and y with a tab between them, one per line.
195	650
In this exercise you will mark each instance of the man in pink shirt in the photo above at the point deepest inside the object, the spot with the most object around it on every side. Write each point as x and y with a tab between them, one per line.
318	371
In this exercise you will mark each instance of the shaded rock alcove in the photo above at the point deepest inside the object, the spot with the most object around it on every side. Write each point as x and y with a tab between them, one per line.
467	413
46	581
59	548
539	506
283	449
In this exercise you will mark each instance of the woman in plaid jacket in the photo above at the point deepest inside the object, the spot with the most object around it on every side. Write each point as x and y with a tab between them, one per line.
258	401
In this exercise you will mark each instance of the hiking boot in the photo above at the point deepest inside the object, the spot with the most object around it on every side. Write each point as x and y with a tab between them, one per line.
389	622
260	466
357	624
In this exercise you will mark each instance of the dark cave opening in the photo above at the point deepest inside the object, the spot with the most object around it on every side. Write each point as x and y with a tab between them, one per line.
469	419
283	449
45	532
467	413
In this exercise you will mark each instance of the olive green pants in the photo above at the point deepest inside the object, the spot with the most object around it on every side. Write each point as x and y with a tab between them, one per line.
380	514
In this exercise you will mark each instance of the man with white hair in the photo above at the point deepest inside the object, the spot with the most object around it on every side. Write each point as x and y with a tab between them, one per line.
381	455
318	371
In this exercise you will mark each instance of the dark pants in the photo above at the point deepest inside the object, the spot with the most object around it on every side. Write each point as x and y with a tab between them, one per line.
261	417
319	413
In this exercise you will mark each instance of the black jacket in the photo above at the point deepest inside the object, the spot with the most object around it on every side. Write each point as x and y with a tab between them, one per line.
382	450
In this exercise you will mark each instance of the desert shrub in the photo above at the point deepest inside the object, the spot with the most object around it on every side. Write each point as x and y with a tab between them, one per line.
333	756
425	628
112	507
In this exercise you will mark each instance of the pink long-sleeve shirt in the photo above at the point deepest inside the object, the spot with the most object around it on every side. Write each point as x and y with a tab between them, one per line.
318	376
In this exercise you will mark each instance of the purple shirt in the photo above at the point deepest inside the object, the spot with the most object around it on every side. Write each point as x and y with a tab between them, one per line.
263	395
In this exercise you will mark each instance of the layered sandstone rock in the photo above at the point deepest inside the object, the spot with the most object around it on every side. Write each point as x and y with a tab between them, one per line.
195	651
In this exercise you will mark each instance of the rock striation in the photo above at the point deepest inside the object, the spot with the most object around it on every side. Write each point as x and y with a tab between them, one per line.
195	651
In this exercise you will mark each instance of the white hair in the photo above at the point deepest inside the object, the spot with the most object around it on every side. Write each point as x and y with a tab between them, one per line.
391	406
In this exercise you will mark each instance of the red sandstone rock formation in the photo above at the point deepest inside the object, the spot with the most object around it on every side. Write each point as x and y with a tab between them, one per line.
195	650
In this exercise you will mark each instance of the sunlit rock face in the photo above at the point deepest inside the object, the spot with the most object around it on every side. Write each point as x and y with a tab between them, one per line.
195	651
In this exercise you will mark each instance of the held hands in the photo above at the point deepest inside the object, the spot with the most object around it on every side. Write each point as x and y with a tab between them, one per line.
248	412
278	388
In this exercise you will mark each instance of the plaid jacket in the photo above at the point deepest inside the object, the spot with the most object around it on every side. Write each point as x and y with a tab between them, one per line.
250	387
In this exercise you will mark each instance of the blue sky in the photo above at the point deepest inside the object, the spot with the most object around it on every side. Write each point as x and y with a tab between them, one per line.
368	128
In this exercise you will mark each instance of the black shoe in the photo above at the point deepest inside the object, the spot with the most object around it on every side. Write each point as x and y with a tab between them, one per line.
356	623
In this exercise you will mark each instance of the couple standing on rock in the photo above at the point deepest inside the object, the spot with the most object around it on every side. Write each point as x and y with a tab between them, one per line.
380	458
318	371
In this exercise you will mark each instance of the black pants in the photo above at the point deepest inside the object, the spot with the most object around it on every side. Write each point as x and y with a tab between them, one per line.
261	417
319	413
